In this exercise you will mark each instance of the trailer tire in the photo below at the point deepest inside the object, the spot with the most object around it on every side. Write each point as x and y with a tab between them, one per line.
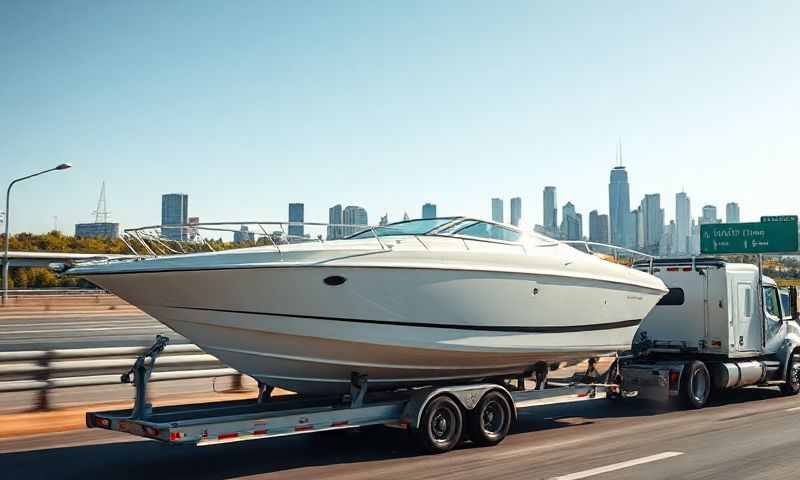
695	385
490	420
440	426
792	385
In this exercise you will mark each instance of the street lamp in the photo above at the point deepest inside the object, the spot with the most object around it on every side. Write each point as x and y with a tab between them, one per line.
63	166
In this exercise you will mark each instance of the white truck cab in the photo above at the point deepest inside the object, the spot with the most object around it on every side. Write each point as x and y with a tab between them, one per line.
717	328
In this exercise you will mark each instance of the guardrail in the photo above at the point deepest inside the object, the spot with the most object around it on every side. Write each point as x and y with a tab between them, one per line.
45	370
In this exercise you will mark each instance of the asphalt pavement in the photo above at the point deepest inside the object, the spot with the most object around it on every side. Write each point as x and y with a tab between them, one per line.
749	434
42	331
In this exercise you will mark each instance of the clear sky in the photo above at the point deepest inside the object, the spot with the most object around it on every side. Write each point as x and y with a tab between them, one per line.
247	106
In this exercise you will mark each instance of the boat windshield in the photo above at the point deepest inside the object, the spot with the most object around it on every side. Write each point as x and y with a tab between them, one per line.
479	229
410	227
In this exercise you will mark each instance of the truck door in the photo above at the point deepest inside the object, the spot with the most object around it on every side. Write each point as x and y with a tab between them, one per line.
775	326
748	324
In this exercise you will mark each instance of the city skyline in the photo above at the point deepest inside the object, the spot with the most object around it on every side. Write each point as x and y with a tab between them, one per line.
245	122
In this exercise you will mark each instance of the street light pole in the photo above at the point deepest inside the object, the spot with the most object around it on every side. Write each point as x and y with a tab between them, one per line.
63	166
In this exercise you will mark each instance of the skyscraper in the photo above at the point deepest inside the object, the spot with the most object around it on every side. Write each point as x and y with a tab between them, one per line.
497	210
732	213
429	210
652	222
681	240
296	214
356	216
516	210
571	223
550	211
598	227
244	235
709	215
335	219
619	206
174	211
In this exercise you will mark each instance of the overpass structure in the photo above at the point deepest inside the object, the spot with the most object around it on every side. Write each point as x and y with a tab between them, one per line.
43	259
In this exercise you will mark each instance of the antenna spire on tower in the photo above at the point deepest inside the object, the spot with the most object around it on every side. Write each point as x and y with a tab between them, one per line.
101	214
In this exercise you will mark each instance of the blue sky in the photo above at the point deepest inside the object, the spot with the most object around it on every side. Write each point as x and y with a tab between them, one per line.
249	106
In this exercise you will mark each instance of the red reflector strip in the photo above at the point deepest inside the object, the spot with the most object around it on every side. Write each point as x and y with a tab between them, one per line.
175	435
340	423
673	269
303	428
223	436
260	432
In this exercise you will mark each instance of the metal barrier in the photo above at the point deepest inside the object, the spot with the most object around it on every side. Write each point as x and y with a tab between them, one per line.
41	370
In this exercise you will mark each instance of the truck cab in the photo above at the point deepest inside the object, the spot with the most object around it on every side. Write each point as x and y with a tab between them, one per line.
719	324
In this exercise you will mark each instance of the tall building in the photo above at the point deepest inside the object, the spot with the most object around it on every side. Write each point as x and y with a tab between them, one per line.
384	220
355	216
550	211
97	230
652	227
335	221
497	210
732	213
571	223
296	214
429	210
619	206
244	235
516	210
681	239
175	211
665	245
598	227
709	215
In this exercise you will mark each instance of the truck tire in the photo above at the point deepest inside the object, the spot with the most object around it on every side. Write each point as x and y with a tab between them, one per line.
695	385
792	385
441	425
490	420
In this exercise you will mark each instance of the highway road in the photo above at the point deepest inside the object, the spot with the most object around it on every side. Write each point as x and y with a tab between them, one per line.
752	434
41	330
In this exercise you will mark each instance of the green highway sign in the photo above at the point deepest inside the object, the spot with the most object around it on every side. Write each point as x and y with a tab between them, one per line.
762	237
779	218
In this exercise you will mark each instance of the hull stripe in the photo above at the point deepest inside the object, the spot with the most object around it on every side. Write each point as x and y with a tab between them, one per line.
484	328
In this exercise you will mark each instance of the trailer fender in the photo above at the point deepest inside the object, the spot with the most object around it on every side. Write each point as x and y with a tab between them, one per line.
467	396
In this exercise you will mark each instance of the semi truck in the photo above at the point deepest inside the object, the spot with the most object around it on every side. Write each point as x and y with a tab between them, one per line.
721	326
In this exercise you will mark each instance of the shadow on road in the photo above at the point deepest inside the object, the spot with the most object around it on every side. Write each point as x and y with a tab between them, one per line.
140	459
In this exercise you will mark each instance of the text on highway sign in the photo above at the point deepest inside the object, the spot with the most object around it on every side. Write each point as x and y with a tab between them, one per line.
757	237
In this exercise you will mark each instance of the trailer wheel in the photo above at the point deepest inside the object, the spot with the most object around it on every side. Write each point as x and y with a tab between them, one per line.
440	426
490	420
695	385
792	385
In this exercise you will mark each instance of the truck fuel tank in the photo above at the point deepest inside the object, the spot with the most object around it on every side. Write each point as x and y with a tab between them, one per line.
738	374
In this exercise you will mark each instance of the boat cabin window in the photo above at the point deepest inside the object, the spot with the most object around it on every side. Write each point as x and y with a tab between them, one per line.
410	227
771	302
488	230
675	296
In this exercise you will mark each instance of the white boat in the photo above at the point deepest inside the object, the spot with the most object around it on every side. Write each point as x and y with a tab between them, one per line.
412	303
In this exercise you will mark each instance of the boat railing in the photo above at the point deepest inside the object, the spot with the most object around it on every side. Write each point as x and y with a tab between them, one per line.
613	253
177	239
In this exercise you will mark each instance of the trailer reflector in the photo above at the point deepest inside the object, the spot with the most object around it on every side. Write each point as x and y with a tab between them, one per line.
674	378
175	435
339	423
303	428
260	432
223	436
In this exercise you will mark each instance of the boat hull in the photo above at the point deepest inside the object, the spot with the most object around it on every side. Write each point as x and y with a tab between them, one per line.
399	326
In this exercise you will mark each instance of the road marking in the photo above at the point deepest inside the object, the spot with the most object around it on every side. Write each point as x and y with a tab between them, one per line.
793	409
617	466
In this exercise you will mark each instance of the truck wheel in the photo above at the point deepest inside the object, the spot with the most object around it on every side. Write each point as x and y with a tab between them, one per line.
490	420
695	385
792	385
440	426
